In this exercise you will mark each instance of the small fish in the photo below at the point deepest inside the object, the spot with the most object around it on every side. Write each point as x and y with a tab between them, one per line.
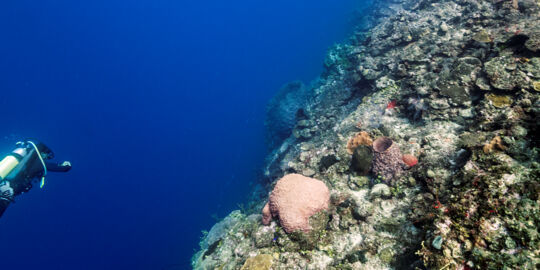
391	104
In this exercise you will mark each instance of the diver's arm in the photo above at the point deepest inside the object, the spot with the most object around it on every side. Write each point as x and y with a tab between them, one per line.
58	167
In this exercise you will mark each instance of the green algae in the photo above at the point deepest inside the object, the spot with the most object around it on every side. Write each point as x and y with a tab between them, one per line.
386	255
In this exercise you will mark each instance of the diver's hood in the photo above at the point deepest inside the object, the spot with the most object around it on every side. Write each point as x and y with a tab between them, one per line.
43	149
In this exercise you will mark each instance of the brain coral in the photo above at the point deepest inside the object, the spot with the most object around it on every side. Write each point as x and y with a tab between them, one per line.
294	200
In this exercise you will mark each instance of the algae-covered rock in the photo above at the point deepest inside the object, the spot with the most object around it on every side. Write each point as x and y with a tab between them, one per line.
453	90
363	210
483	83
358	182
264	236
499	101
327	161
531	66
259	262
471	140
220	229
380	191
466	69
533	43
482	36
362	159
308	240
386	255
503	73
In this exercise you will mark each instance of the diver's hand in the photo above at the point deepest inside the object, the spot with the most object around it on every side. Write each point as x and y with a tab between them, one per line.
66	166
58	166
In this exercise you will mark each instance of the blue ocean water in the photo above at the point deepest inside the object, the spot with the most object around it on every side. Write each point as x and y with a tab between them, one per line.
159	105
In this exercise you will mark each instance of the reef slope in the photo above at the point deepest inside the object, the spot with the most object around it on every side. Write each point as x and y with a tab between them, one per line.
455	85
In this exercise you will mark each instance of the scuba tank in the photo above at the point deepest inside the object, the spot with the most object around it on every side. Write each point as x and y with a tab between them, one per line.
18	159
11	161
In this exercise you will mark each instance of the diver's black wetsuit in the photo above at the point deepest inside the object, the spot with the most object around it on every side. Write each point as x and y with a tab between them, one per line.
30	168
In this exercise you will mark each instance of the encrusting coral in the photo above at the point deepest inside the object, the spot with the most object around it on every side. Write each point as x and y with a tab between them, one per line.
495	143
259	262
410	160
294	200
361	138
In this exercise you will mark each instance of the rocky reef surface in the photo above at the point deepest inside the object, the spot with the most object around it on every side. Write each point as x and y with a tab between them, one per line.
454	87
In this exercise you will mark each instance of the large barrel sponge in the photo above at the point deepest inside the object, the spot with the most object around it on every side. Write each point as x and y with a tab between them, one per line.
387	159
294	200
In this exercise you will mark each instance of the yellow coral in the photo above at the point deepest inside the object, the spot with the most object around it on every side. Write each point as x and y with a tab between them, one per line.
361	138
259	262
499	101
482	36
495	143
536	86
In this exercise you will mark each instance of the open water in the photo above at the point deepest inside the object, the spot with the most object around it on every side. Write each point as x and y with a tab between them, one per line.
160	107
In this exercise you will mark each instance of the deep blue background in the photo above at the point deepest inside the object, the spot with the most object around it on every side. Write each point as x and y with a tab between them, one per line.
160	107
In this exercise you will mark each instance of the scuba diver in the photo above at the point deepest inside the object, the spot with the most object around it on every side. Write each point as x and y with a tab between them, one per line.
29	161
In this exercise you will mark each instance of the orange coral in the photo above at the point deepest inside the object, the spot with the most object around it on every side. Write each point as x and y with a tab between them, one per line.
495	143
410	160
361	138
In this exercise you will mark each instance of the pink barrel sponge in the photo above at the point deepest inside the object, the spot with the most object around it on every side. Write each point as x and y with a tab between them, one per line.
294	200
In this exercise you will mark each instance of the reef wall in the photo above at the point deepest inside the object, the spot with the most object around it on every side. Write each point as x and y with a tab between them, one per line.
454	87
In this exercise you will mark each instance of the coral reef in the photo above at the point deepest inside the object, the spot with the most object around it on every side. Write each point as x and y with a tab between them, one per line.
454	83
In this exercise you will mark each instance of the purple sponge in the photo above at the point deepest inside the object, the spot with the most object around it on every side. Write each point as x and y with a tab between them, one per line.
387	159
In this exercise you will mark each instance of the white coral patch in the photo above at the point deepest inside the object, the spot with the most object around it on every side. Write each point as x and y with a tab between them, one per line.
444	226
320	261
